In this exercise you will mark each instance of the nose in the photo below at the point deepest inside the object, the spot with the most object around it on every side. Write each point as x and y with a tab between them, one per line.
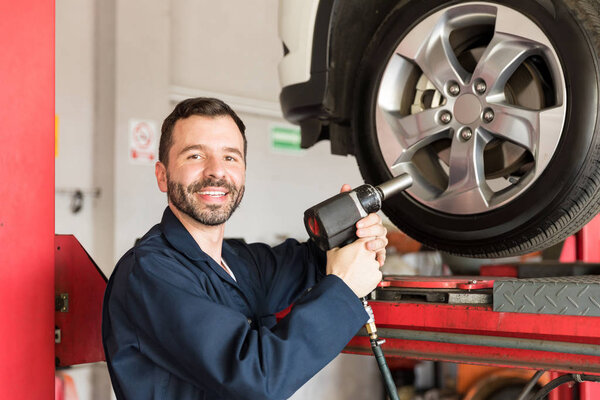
215	168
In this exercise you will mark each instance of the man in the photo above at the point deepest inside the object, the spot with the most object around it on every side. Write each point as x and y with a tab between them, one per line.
188	315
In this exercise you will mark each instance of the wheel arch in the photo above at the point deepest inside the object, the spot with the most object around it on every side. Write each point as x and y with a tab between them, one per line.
322	106
348	42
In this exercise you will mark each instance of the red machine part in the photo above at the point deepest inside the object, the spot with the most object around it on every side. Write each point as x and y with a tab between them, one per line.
438	282
588	391
481	320
79	289
583	246
27	193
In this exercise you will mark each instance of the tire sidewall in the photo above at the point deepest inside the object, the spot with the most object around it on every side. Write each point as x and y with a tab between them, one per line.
546	197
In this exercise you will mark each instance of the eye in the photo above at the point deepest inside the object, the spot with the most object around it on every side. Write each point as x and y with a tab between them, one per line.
194	157
230	158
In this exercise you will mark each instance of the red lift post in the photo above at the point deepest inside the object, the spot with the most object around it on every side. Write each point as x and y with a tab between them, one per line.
27	193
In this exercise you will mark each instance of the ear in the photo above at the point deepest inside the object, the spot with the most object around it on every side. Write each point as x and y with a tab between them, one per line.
160	170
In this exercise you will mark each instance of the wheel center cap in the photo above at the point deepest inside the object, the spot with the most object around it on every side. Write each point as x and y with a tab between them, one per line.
467	109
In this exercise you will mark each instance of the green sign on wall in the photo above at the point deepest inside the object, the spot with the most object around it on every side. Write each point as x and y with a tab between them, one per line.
285	137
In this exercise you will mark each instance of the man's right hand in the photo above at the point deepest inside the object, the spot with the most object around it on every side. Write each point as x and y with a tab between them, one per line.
356	266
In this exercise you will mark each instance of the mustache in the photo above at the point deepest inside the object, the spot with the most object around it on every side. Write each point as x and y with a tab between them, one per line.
199	185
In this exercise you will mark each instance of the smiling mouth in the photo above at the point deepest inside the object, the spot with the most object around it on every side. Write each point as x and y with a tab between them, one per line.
212	193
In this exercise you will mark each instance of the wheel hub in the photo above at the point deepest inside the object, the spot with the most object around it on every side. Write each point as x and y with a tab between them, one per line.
467	109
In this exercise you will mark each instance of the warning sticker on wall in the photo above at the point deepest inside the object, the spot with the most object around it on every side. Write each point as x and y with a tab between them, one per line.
143	140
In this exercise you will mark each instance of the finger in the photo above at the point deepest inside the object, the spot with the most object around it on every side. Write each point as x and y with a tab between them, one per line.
369	220
377	244
380	257
372	231
345	188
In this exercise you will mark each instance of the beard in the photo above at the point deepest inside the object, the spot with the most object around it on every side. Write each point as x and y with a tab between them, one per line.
184	199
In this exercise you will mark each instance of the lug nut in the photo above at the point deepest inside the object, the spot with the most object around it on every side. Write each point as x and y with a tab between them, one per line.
488	115
445	117
454	89
480	87
466	133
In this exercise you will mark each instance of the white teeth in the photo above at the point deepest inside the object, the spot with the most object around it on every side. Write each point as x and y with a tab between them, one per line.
214	194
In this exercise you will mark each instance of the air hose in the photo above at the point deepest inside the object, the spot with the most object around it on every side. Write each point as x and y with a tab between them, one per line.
553	384
388	381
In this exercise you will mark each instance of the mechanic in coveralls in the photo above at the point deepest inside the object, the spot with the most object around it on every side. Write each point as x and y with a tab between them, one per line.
188	315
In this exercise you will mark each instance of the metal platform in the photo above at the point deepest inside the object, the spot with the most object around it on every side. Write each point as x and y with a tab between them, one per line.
436	289
573	295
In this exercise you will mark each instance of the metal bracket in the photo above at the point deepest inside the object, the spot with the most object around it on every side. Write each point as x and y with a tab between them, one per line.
61	302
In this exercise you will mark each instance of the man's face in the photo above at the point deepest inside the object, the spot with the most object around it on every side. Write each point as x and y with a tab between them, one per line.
206	172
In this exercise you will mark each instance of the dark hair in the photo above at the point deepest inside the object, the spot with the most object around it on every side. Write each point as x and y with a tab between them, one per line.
202	106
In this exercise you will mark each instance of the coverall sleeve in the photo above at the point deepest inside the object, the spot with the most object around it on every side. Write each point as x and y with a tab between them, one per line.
181	329
287	270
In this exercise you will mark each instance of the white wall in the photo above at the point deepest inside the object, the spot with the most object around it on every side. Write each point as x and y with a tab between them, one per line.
75	110
123	59
227	46
141	92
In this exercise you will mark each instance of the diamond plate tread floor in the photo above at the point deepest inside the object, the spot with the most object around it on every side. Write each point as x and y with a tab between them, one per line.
568	295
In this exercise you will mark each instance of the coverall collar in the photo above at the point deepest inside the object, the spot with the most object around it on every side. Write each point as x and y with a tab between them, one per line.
182	240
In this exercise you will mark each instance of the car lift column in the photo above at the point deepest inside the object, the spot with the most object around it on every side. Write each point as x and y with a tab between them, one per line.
27	199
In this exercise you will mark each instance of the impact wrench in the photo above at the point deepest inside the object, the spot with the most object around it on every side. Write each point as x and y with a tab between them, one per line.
332	223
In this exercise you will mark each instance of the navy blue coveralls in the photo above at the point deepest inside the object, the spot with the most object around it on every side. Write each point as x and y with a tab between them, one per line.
175	325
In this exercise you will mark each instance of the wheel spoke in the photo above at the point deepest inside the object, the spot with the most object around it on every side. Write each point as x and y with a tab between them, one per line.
434	54
517	125
467	189
419	130
502	57
551	124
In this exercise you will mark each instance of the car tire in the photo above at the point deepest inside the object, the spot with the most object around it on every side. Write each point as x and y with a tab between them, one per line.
547	178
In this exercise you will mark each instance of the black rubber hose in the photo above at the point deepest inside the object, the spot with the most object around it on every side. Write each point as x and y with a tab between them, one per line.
553	384
529	387
388	381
